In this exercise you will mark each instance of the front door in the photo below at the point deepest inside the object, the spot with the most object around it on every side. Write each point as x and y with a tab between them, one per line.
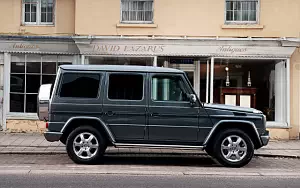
124	105
171	117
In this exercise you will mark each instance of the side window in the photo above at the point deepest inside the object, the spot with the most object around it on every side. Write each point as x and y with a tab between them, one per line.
80	85
125	87
168	88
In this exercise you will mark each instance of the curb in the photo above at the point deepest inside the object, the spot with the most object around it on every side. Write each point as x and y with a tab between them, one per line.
278	156
138	154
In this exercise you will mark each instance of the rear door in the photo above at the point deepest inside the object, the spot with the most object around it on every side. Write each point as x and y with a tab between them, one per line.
124	105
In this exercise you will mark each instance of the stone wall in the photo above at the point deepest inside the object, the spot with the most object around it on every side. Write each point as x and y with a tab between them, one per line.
25	126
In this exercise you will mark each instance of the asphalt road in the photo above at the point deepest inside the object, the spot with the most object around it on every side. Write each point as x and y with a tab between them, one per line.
117	181
145	171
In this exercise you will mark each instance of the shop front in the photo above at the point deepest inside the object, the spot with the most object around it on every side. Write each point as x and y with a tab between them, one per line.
254	74
259	73
28	63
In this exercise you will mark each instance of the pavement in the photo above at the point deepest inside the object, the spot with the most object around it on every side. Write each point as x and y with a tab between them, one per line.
35	143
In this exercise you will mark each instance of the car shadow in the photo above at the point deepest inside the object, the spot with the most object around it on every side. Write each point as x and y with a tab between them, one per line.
162	160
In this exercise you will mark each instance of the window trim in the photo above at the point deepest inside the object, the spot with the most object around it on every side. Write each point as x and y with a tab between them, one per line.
243	22
38	15
136	22
125	73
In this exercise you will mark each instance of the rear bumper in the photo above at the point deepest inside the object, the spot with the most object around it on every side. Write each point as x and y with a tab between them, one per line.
52	136
265	138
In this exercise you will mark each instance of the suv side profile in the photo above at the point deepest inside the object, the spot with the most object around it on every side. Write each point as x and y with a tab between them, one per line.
91	107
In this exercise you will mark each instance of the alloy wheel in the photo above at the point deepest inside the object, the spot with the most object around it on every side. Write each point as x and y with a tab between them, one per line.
85	145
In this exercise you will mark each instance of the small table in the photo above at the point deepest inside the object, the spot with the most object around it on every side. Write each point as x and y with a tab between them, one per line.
238	96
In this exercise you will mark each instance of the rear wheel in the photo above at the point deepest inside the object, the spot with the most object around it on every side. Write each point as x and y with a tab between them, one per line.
85	145
233	148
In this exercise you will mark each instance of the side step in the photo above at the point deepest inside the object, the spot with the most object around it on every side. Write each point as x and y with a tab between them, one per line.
157	146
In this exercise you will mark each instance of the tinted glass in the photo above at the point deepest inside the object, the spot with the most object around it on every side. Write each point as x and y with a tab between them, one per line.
125	87
78	85
168	88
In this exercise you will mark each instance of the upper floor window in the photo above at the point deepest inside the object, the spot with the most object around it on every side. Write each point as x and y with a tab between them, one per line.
137	11
38	12
243	11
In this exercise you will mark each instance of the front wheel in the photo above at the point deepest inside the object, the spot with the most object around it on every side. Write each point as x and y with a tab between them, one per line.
85	145
233	148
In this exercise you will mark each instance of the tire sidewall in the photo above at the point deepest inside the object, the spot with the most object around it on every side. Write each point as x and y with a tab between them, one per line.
217	149
101	143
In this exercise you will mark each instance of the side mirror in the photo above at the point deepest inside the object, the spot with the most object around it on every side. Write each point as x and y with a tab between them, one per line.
193	99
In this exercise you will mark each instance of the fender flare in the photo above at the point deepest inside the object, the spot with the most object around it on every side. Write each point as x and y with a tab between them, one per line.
231	121
107	130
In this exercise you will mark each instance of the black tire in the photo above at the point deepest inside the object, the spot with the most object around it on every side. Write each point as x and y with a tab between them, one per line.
223	160
97	155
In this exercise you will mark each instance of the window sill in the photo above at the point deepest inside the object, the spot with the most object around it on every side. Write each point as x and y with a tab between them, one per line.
242	26
277	125
22	116
136	25
37	25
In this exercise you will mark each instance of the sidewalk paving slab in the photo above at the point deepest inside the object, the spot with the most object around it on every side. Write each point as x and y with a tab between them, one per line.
35	143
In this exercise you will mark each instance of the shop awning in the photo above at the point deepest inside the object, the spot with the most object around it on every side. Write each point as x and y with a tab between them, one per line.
258	49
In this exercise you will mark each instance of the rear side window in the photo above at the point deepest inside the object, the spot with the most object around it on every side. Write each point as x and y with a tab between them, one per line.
125	87
80	85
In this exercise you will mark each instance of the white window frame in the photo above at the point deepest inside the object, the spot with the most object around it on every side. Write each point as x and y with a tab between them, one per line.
38	14
136	22
25	115
242	22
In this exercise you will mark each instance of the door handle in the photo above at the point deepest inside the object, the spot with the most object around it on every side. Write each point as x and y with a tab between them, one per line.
154	114
110	113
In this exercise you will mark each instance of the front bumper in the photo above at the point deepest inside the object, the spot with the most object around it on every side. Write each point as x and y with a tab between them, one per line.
265	138
52	136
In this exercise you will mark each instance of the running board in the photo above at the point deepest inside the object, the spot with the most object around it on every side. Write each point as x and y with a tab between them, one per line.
157	146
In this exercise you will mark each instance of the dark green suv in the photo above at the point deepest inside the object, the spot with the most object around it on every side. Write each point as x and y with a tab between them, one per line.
90	107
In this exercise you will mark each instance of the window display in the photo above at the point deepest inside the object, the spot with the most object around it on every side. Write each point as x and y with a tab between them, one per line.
251	83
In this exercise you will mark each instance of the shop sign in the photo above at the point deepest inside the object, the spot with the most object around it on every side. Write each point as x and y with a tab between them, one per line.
231	49
127	48
43	47
25	46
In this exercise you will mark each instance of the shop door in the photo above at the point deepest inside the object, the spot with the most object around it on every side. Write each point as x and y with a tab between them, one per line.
1	93
1	89
1	109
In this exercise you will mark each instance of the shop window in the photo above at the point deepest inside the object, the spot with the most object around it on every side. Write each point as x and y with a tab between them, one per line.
27	73
243	11
38	12
259	84
136	11
125	87
168	88
78	85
